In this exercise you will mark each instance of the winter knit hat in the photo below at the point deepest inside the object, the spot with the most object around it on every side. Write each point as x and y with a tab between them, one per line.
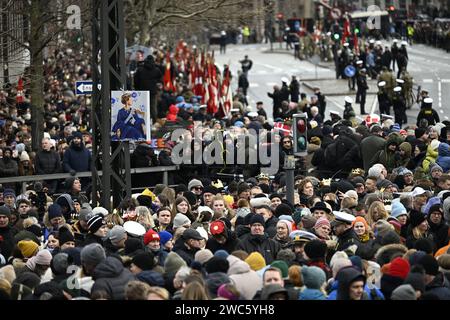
399	267
144	261
173	263
313	277
65	236
164	237
9	192
308	221
282	266
180	220
151	235
316	249
404	292
194	183
287	223
431	203
416	280
43	258
5	211
374	171
398	209
257	218
436	167
221	254
28	248
256	261
362	220
54	211
92	254
283	209
322	221
203	256
242	212
416	218
430	265
117	234
224	293
96	222
216	264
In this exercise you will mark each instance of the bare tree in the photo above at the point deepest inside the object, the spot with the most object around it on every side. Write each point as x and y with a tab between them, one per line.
42	23
143	17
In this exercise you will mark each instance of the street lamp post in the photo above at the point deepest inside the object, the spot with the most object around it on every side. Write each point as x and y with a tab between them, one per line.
289	166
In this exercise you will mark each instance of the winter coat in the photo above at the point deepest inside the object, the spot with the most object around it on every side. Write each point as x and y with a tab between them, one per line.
369	147
440	287
147	76
8	167
443	159
347	239
346	277
389	283
372	294
439	233
47	162
92	238
262	244
77	158
246	280
271	226
430	158
186	254
430	115
311	294
229	246
111	276
151	277
7	243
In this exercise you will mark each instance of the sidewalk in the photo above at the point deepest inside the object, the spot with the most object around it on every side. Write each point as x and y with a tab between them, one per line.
339	87
276	49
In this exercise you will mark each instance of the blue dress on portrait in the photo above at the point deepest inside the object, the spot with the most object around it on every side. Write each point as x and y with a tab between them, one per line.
130	127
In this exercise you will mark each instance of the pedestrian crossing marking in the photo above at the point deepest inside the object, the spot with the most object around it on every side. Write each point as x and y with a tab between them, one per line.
427	80
254	85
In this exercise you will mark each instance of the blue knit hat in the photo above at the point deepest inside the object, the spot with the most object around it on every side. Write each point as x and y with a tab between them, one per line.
313	277
54	211
9	192
398	209
221	254
396	127
431	202
164	237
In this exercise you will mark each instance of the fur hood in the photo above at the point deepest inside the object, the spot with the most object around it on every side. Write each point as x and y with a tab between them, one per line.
385	253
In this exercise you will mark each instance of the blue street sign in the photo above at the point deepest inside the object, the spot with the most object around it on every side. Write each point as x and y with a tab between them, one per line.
84	87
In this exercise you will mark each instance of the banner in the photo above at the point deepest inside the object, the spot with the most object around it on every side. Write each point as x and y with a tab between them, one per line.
130	116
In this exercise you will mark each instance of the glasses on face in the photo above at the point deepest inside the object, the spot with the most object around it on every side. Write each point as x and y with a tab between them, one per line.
287	142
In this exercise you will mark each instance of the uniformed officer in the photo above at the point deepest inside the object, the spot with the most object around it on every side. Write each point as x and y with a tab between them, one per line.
398	102
428	113
384	101
394	50
362	89
342	227
349	113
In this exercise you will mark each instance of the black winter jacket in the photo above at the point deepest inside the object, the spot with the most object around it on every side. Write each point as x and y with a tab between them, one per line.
112	277
47	162
263	244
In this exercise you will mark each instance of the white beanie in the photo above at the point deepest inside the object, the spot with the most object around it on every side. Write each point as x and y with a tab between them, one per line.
351	194
374	171
24	156
180	220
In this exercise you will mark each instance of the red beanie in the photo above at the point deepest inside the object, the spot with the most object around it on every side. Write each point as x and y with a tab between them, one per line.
399	267
150	236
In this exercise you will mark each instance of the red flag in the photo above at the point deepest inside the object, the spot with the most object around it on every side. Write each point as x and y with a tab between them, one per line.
226	94
346	32
282	128
213	101
355	43
168	85
19	95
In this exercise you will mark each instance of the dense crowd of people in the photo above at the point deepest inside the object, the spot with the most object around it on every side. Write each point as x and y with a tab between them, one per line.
369	220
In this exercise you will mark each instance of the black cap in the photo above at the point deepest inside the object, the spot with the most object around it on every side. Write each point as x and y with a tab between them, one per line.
192	234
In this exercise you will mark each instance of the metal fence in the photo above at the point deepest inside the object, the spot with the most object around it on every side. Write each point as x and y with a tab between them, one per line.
57	176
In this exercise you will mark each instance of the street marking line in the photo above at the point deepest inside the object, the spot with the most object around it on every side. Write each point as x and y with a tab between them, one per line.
335	103
271	84
446	118
445	80
427	80
440	93
441	111
374	105
254	85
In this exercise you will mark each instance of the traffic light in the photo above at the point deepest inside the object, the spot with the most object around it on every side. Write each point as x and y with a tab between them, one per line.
300	128
356	30
336	36
391	8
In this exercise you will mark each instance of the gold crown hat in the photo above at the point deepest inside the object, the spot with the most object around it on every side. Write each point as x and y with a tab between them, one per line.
262	176
218	184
